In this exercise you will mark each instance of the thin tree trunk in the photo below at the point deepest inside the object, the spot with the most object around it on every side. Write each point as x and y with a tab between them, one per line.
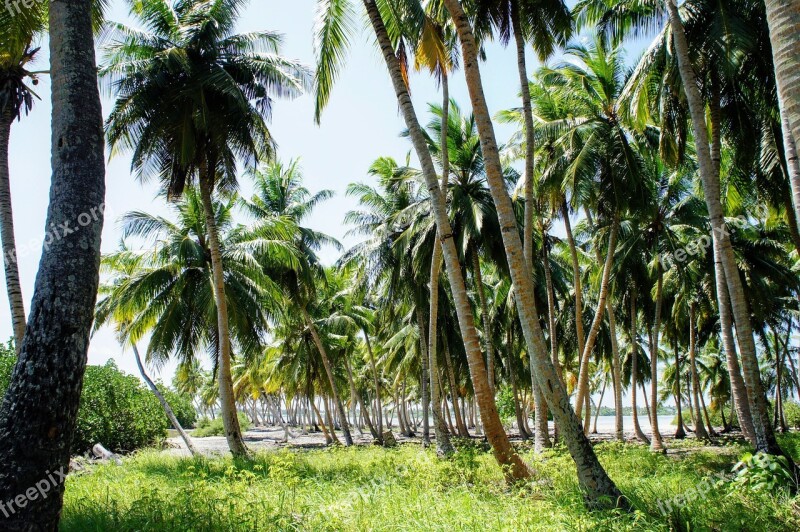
680	433
353	393
230	420
593	478
13	287
576	283
699	429
451	377
423	346
599	404
379	413
656	443
164	404
616	372
783	17
487	324
326	362
551	325
637	429
504	453
583	376
764	435
512	377
36	428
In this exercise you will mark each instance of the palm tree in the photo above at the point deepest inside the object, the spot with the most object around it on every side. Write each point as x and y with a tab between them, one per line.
280	194
36	429
192	97
337	14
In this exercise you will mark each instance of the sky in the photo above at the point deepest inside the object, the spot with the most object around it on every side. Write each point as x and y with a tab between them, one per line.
360	124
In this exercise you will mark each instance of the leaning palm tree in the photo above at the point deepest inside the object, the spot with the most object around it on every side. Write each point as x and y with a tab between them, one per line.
192	97
36	429
336	21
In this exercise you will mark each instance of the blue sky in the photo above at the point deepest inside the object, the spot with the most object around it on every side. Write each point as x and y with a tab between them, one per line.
360	124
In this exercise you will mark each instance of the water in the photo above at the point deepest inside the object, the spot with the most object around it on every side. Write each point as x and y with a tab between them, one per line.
605	424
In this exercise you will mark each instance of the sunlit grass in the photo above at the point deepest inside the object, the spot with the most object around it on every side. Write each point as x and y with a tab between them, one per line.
371	488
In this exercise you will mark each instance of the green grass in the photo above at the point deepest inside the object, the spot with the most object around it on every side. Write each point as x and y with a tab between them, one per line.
410	489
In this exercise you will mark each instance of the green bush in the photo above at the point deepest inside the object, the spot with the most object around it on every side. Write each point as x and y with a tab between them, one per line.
213	427
792	412
7	361
181	406
118	411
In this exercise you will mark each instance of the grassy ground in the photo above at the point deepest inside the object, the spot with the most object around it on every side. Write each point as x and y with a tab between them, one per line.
371	488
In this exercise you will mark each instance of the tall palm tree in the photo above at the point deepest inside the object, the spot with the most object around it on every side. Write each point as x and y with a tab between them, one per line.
338	14
36	428
590	472
192	97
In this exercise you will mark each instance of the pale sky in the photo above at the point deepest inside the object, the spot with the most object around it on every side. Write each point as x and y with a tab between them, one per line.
360	124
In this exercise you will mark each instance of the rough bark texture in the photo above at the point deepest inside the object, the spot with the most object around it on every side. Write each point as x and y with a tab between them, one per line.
764	435
13	287
593	478
38	413
164	404
376	382
487	324
230	420
326	362
637	429
783	17
501	446
424	385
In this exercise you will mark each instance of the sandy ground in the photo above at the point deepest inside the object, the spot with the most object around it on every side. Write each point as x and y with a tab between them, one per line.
266	438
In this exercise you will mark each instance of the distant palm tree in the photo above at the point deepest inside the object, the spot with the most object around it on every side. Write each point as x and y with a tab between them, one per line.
192	101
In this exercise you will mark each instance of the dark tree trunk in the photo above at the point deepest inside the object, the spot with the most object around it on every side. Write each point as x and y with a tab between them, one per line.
38	414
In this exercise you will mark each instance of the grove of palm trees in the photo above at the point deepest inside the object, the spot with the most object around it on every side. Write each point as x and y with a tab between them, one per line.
543	274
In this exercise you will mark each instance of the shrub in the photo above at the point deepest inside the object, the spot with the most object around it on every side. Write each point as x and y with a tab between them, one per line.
213	427
764	472
181	405
118	411
792	412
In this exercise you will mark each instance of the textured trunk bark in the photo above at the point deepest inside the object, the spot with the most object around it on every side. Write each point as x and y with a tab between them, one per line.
451	378
656	443
551	325
164	404
38	413
783	17
423	346
583	376
353	394
326	362
13	287
616	373
593	478
764	435
512	377
576	282
230	420
504	453
637	429
792	169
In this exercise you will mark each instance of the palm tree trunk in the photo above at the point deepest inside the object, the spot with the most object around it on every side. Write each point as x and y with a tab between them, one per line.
36	428
583	376
512	377
764	435
576	282
379	409
487	324
783	17
7	234
699	428
593	478
164	404
635	371
680	433
353	393
656	443
451	378
541	430
498	439
793	171
599	404
616	372
326	362
230	420
423	346
551	317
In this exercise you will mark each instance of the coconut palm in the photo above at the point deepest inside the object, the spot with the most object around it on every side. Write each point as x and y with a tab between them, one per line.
192	97
53	353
